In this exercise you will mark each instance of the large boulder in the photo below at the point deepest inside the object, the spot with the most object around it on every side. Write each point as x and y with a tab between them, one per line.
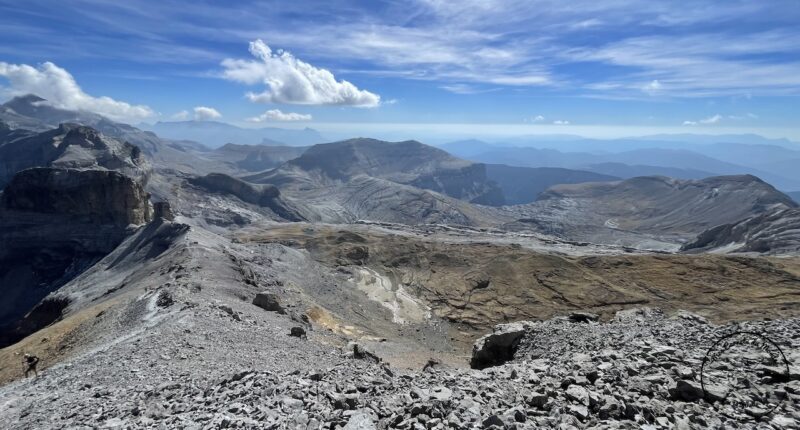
269	302
499	346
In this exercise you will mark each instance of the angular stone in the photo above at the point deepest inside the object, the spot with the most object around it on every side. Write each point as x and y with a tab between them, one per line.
360	421
498	347
578	394
269	302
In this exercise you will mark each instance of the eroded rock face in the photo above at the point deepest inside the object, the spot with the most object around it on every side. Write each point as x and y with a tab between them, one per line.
97	195
55	224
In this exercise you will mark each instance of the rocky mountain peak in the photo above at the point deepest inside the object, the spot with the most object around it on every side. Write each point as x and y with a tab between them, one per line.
24	104
76	134
69	146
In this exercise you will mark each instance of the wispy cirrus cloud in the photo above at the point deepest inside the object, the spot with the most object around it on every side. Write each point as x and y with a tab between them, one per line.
619	49
700	65
713	119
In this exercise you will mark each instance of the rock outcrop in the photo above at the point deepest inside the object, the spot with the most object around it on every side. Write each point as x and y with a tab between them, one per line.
262	195
69	146
54	224
96	196
776	232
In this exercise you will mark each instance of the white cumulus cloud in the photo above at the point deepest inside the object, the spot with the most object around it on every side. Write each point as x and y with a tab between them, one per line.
292	81
59	88
277	115
205	113
180	116
538	118
561	122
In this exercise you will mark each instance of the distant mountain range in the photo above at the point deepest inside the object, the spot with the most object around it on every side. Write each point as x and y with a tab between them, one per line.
524	184
773	160
215	134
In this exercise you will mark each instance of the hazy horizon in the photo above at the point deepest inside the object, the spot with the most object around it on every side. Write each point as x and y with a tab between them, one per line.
465	69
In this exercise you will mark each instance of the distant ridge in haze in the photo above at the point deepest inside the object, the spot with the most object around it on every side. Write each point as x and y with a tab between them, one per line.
632	157
215	134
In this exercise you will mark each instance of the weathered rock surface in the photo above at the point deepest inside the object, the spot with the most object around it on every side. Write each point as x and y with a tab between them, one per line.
262	195
631	373
776	232
54	224
654	209
99	196
404	182
408	163
69	146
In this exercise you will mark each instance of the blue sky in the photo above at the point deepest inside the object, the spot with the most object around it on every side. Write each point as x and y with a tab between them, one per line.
598	68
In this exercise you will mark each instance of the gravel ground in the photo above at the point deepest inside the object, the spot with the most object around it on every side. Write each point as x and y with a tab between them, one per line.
211	366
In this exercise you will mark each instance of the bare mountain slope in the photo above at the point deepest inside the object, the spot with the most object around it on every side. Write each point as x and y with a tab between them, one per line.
408	163
665	209
68	146
523	184
405	182
256	158
775	232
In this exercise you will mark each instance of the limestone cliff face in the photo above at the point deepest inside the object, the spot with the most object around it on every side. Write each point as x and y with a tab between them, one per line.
99	196
54	224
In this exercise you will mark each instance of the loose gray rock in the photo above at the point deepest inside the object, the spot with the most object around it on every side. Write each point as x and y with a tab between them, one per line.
268	302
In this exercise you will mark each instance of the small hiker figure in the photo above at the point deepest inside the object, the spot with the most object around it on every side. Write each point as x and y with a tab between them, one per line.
30	365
